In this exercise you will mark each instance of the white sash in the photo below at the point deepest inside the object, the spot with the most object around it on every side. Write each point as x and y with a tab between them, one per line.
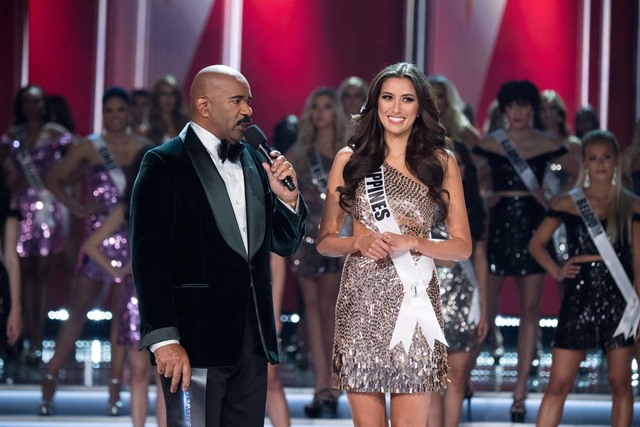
44	215
519	164
416	306
318	174
629	322
474	308
115	172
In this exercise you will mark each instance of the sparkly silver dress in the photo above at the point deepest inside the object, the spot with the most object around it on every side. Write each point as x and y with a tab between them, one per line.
457	293
369	303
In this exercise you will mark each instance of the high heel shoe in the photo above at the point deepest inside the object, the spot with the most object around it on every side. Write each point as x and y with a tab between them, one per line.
496	345
324	404
115	404
49	384
518	409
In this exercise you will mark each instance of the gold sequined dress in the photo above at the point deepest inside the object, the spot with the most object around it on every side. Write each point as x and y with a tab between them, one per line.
369	303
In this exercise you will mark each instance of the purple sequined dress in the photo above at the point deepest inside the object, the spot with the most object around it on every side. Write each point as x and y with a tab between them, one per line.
35	237
102	191
127	312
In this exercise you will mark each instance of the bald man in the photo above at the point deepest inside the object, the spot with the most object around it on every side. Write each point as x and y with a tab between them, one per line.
205	213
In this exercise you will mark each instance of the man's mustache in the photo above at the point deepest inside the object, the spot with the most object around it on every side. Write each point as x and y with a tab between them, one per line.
245	119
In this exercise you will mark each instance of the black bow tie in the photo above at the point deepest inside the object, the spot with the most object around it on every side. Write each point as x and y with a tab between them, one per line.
230	152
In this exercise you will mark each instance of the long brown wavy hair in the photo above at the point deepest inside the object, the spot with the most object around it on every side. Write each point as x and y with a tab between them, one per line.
426	146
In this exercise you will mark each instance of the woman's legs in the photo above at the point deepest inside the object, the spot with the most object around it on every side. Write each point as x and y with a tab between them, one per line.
328	292
140	371
370	409
529	294
445	408
311	295
408	410
563	374
161	410
619	366
118	352
454	395
276	400
84	292
35	274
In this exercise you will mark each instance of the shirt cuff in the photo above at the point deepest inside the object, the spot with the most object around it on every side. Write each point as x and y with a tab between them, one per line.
157	345
288	205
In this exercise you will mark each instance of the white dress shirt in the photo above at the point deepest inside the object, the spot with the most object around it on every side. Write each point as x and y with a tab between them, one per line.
231	174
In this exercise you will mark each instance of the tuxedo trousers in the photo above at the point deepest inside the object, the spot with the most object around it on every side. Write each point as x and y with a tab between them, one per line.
229	396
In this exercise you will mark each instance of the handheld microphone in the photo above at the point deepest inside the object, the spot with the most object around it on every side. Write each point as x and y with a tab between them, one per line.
254	136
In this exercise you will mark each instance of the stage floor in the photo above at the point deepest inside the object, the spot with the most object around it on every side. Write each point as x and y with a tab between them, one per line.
81	399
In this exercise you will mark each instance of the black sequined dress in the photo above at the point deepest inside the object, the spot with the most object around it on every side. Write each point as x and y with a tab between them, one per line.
592	304
307	262
513	220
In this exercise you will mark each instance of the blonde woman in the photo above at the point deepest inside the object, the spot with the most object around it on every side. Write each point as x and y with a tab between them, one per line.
321	135
594	301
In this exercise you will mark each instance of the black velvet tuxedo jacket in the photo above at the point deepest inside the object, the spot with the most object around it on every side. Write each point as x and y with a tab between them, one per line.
193	276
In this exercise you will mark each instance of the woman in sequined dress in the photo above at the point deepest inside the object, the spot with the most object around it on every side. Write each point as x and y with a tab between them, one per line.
553	118
320	137
398	133
457	290
41	232
126	309
514	219
101	200
592	304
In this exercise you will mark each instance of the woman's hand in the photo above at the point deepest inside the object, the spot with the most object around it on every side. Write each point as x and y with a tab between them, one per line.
373	246
568	271
14	326
399	242
482	329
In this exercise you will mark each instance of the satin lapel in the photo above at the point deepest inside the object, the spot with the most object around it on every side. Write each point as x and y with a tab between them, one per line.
215	190
254	193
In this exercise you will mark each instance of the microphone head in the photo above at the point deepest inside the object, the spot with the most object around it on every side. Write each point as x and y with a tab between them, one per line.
254	136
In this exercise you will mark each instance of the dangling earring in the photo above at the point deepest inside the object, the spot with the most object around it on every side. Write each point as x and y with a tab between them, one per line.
505	122
587	180
614	178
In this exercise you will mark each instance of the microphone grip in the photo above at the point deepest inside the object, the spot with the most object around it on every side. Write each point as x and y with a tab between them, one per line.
288	182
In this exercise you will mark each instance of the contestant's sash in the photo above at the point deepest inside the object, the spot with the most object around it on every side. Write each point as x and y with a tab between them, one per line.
474	308
318	174
115	172
629	322
519	164
44	215
416	308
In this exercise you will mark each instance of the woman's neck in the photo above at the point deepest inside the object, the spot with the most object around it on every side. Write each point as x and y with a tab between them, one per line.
599	190
396	146
325	140
554	131
115	135
521	133
34	124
